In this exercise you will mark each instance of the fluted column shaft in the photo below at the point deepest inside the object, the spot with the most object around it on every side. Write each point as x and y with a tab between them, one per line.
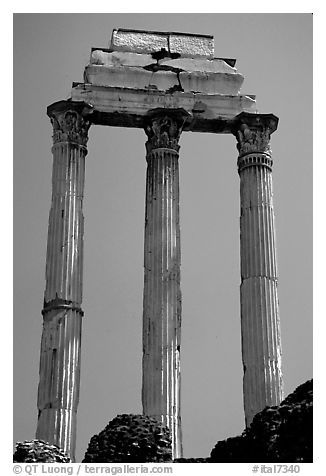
162	295
260	324
58	391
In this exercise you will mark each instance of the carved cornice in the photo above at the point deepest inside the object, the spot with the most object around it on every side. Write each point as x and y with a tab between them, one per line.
70	121
253	132
163	129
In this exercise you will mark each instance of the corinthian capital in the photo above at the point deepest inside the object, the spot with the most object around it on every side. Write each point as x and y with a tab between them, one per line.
70	121
163	129
253	132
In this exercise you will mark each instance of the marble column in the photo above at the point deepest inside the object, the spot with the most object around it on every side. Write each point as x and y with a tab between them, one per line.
58	391
260	323
162	295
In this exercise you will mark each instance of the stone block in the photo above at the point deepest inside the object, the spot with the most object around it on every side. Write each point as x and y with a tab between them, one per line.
191	45
163	80
199	64
138	41
125	58
211	83
185	44
127	107
119	58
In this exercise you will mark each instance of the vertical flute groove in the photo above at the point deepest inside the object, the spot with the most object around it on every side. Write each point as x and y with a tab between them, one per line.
260	326
162	311
261	353
58	391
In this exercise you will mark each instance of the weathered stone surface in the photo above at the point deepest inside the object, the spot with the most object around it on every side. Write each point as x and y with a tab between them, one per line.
191	45
260	322
204	65
148	70
138	41
280	434
121	58
164	80
163	69
58	390
162	294
129	107
133	439
38	451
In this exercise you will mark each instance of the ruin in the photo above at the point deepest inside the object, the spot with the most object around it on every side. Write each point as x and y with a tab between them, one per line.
166	84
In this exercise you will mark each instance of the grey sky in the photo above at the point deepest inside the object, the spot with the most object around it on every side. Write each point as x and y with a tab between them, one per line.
274	53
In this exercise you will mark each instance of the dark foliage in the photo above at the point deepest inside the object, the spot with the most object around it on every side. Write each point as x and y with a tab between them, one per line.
38	451
130	438
280	434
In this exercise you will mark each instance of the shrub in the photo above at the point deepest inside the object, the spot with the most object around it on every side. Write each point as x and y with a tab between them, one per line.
130	438
38	451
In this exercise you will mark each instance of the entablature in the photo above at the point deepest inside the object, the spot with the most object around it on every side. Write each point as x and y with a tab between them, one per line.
127	107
